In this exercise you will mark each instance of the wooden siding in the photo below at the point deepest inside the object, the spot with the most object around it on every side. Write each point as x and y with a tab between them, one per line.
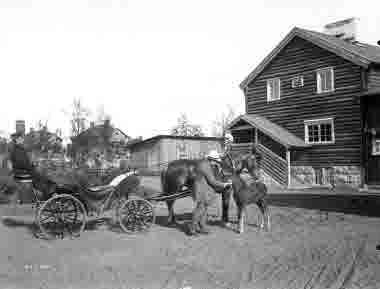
243	136
374	79
242	147
272	145
273	165
300	57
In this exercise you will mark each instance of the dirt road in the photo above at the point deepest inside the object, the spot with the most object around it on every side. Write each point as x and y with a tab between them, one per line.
302	250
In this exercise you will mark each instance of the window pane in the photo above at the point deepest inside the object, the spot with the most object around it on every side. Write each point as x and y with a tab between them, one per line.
326	132
324	79
377	146
270	89
313	133
328	79
273	89
323	82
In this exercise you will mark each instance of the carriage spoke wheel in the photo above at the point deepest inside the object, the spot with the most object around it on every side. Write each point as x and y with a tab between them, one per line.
61	216
136	215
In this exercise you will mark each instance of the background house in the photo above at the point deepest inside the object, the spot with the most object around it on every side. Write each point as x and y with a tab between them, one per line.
3	152
153	154
44	147
312	109
100	146
43	144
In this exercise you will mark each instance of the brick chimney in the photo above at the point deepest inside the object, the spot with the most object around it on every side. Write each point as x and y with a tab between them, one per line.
345	29
20	126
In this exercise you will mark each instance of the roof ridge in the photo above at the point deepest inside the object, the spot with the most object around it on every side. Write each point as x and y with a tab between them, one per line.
344	42
359	55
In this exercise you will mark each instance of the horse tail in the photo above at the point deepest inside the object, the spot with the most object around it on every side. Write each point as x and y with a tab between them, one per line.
164	184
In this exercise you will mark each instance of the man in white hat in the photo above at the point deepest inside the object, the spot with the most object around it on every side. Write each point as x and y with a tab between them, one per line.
214	157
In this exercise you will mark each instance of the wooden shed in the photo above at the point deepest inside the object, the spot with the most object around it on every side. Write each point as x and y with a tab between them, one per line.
153	154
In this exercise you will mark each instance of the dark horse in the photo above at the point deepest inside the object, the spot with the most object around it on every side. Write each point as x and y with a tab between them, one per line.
191	174
242	171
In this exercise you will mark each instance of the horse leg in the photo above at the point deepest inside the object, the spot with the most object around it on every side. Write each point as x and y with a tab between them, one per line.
199	217
264	209
267	214
171	217
196	219
203	220
226	195
241	217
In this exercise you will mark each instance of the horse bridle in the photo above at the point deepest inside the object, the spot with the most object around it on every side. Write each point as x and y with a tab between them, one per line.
218	160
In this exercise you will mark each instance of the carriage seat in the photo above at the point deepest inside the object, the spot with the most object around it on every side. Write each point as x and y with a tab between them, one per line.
98	189
114	183
22	176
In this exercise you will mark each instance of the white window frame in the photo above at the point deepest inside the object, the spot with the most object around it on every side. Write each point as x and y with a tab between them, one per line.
374	141
270	92
294	78
319	79
318	122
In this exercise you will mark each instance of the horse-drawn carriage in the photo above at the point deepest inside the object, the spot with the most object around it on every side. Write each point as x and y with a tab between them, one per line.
66	210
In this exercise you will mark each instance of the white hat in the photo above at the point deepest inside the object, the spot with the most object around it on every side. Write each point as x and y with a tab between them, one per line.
213	154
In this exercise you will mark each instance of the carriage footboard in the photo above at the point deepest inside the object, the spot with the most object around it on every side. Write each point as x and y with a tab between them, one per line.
179	195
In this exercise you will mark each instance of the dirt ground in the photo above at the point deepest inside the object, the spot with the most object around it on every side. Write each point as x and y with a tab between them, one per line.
302	250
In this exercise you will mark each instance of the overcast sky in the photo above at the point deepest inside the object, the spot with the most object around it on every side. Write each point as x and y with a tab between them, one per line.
146	61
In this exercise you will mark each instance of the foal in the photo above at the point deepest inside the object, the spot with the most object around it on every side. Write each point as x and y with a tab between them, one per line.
247	189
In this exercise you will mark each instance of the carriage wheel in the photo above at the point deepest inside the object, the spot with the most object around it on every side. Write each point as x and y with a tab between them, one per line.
136	215
61	216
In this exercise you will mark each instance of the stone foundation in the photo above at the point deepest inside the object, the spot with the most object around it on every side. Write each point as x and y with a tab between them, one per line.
335	175
302	176
267	179
349	175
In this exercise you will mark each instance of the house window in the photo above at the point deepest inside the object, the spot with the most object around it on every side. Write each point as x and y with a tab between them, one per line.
319	131
297	81
376	146
273	89
325	80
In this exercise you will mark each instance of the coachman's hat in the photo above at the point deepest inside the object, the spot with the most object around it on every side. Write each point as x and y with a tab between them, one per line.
16	135
213	154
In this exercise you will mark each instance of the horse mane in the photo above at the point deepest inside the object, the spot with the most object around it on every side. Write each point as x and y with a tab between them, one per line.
164	186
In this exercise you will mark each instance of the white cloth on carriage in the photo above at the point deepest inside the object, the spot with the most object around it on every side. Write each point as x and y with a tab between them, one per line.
114	183
117	180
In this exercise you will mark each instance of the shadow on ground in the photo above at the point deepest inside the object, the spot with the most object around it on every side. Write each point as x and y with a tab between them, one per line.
364	205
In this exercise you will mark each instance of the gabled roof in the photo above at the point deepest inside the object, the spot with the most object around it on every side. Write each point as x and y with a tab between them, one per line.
358	53
180	137
97	131
271	129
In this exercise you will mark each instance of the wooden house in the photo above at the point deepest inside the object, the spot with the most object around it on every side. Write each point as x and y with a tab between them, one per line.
313	109
153	154
42	143
101	145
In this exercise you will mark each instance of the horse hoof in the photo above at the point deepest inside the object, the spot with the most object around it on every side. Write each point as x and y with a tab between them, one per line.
172	223
192	233
204	231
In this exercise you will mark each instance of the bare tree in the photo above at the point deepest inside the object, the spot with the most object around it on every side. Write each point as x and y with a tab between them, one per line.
185	128
101	115
219	125
78	114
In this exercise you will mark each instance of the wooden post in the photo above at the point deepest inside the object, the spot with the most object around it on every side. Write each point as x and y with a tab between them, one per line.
256	136
364	145
288	161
